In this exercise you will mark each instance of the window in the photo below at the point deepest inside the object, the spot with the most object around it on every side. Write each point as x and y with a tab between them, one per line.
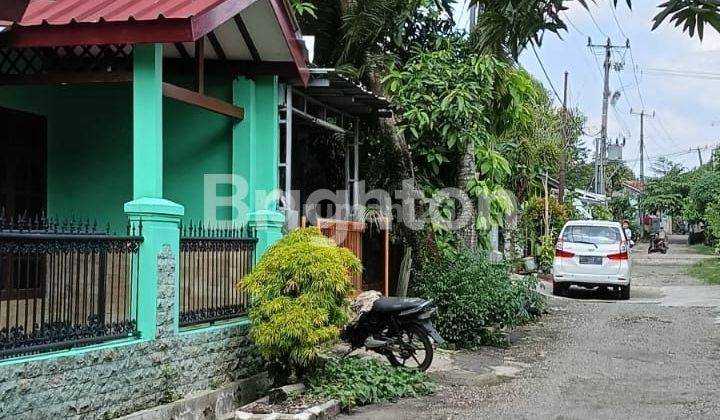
600	235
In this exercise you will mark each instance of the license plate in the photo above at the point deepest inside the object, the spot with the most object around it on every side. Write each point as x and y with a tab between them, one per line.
591	260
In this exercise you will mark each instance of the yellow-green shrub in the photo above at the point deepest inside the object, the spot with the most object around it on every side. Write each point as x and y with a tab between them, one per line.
299	291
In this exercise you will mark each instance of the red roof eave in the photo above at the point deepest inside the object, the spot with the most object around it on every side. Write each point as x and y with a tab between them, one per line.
296	49
179	27
102	33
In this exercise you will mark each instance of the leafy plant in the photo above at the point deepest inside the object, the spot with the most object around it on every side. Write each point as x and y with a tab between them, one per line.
712	218
299	291
454	104
600	212
355	382
302	7
533	216
704	190
547	252
476	299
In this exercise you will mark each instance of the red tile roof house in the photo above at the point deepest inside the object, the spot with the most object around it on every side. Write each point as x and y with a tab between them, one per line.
112	113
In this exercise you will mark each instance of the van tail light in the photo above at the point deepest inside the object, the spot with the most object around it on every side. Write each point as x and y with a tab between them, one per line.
563	254
560	253
622	255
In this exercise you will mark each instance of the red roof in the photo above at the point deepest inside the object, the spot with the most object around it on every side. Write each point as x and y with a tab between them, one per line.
62	12
48	23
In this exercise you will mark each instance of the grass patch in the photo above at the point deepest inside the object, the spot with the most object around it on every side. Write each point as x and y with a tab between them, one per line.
704	249
707	270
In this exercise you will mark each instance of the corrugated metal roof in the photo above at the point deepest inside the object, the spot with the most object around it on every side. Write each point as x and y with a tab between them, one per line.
62	12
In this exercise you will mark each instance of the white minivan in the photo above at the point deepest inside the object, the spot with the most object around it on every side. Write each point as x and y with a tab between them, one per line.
592	253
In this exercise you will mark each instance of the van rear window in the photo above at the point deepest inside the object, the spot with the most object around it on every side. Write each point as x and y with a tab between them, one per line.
600	235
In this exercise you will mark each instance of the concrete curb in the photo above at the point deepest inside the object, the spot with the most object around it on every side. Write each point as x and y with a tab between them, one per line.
325	411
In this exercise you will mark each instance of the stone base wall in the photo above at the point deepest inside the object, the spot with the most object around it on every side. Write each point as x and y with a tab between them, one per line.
113	382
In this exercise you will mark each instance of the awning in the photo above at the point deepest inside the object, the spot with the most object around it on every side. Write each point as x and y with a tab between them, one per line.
337	91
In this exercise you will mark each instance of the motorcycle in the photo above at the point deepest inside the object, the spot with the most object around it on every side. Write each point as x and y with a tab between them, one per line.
657	244
399	329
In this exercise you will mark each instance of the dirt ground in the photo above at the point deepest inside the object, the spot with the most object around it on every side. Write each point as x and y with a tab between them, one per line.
656	356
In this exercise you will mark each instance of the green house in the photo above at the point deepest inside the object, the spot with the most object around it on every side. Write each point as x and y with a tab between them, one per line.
119	122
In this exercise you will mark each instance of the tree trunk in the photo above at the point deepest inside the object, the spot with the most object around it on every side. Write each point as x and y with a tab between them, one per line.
468	214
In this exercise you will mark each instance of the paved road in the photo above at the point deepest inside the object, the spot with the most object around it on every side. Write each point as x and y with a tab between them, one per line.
656	356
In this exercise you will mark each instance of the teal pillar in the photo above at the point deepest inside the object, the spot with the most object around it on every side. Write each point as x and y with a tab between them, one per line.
256	156
147	121
160	218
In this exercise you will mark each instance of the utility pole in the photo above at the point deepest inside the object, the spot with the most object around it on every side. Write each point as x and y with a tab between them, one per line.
472	20
700	156
642	115
563	151
601	149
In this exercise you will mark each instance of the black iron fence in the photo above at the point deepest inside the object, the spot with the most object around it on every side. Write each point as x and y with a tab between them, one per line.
65	285
212	262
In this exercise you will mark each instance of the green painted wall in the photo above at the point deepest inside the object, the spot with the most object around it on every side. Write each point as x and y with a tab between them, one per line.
197	142
90	147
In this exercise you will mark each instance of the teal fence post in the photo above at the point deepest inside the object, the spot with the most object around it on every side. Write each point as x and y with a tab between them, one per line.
256	154
160	218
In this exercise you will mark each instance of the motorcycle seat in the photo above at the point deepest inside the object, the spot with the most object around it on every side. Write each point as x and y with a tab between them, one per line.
396	304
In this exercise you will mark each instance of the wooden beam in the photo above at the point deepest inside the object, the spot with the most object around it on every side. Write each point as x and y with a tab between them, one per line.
216	46
248	39
200	65
285	69
59	78
182	50
202	101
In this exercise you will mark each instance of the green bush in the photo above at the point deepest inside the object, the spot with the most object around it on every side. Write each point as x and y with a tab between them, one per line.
712	218
533	215
475	298
546	256
355	382
300	291
601	213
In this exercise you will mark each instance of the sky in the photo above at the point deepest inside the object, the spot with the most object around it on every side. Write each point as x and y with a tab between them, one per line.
687	109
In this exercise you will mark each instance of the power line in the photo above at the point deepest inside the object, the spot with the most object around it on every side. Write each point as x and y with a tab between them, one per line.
637	81
681	71
542	66
682	75
617	22
666	131
567	19
669	155
597	26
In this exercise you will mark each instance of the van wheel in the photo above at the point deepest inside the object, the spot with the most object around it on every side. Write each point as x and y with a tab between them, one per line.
625	292
559	289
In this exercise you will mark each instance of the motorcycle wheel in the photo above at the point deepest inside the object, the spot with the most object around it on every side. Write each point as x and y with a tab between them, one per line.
414	349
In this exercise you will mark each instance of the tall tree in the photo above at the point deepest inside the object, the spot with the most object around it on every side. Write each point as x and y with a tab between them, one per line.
506	27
